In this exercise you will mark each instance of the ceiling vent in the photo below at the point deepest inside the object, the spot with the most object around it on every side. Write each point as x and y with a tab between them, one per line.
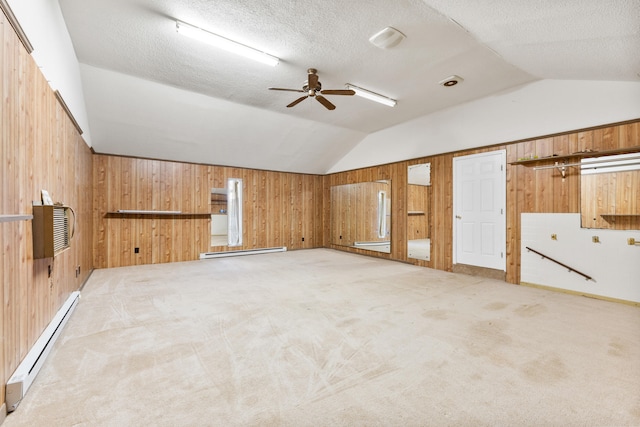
451	81
387	38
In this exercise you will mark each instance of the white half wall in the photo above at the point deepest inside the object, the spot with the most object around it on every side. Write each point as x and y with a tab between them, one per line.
613	264
53	51
534	109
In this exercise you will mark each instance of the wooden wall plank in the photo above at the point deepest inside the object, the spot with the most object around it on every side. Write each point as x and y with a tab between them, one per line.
6	229
528	190
40	149
278	209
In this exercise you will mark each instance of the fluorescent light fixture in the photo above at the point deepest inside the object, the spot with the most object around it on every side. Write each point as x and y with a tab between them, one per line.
372	95
226	44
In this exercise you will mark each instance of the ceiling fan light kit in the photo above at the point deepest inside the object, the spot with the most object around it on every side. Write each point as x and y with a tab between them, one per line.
372	96
225	43
387	38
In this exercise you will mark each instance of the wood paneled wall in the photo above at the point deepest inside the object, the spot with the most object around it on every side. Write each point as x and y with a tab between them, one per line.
418	209
354	217
545	191
611	200
279	209
542	191
40	149
398	204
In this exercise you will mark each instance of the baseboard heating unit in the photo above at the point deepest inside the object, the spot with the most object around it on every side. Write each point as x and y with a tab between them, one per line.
26	372
209	255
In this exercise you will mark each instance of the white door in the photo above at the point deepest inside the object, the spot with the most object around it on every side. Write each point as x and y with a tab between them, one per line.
479	204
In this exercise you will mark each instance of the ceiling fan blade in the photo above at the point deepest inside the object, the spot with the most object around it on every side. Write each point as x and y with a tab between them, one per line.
297	101
338	92
324	101
288	90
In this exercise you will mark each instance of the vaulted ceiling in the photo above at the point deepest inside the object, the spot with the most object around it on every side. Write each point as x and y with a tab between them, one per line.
150	92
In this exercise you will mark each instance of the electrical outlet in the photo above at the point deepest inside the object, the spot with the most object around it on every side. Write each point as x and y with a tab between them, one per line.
303	239
136	250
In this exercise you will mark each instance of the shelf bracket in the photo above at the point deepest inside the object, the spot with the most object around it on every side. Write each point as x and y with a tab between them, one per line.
562	168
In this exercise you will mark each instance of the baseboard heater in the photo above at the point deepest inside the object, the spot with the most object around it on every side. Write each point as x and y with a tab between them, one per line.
209	255
26	372
375	243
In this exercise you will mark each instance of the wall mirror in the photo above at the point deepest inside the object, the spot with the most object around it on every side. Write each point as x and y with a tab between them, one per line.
610	190
226	214
361	215
418	206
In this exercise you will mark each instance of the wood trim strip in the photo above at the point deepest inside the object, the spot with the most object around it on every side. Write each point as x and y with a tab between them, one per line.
579	293
17	217
66	109
16	25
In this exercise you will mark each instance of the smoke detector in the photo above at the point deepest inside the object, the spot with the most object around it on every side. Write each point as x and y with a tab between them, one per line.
451	81
387	38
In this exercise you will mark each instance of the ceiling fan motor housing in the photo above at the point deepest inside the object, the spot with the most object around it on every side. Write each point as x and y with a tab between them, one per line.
312	91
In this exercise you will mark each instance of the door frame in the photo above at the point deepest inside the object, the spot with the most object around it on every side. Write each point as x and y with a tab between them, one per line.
502	187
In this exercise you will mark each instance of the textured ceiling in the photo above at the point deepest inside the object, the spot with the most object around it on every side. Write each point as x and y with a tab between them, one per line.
152	93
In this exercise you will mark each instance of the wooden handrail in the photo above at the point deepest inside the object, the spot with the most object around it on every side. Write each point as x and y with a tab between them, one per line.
559	263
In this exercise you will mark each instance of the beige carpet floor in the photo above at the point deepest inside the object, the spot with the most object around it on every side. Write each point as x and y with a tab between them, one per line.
325	338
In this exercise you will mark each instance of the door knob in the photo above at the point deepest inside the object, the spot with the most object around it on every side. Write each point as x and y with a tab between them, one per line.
458	217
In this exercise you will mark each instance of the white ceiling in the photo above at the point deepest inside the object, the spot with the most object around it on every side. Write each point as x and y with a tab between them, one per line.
153	93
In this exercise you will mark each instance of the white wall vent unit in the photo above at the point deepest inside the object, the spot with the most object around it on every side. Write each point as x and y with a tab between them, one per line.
26	372
387	38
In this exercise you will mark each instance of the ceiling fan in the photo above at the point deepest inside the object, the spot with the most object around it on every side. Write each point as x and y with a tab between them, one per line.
313	88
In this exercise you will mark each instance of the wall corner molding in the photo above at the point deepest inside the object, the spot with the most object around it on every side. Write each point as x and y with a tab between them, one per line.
66	109
4	5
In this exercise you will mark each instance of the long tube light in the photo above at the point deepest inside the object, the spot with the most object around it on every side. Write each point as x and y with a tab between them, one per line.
225	43
372	95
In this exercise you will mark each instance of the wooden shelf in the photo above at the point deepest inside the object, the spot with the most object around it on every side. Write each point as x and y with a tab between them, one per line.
17	217
618	215
123	212
578	155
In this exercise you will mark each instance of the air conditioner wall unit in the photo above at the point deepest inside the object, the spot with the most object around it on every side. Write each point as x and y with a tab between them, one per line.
51	230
